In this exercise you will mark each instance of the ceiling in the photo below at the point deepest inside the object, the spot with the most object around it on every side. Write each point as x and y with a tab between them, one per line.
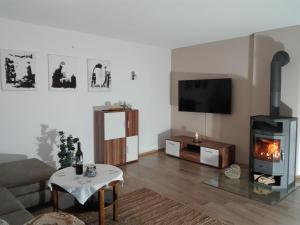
164	23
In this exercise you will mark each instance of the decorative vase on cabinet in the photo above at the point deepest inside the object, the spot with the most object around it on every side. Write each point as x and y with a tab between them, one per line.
116	136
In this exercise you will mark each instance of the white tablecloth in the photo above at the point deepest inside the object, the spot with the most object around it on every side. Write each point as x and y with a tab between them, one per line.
82	187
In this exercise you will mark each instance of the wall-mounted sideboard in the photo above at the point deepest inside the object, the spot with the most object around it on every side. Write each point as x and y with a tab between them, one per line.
208	152
116	136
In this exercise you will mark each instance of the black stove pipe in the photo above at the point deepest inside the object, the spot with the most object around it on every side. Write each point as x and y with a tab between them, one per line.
279	60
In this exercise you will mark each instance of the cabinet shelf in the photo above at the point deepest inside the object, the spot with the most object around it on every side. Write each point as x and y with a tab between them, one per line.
187	154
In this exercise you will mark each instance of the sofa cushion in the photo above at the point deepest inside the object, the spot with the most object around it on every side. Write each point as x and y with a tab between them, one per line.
9	203
24	172
35	198
29	188
18	217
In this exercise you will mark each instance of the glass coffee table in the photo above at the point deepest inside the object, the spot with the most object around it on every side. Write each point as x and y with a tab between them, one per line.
82	187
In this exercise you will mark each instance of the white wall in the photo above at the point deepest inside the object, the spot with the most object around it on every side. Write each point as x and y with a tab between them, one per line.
23	112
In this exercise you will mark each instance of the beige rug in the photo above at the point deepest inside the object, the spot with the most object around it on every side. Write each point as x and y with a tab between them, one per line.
146	207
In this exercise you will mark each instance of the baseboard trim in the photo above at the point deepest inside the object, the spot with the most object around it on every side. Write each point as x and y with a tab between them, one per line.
151	152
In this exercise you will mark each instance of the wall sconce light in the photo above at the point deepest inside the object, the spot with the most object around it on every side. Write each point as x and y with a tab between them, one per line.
133	75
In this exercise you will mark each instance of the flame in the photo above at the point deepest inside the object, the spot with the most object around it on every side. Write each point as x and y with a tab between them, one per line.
273	149
267	149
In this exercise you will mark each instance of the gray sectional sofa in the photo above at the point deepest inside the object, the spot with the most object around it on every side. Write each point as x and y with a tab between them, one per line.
23	184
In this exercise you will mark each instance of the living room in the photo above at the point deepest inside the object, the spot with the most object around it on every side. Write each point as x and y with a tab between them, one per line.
140	60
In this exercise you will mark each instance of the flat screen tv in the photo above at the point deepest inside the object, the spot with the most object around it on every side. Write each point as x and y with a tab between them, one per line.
210	96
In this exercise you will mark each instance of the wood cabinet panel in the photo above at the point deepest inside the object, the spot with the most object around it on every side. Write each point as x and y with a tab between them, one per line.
114	151
132	123
99	137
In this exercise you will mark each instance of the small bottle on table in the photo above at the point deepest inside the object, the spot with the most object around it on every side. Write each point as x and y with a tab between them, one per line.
79	160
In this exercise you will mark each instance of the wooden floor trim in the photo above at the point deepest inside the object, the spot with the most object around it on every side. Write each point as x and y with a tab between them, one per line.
151	152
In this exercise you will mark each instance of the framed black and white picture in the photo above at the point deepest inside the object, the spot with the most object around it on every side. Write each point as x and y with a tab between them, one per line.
18	70
99	75
62	72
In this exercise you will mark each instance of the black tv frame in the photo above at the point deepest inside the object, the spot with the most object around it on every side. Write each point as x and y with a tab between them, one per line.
208	111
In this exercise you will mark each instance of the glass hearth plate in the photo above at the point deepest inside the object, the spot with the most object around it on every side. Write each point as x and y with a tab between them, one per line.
244	187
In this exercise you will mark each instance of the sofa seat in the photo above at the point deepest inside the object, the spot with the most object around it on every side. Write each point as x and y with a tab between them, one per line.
24	172
27	181
23	184
11	210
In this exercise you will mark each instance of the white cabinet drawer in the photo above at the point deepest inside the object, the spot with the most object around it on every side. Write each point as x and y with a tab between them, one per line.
172	148
209	156
132	148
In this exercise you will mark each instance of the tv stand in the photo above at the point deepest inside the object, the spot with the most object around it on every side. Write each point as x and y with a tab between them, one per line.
208	152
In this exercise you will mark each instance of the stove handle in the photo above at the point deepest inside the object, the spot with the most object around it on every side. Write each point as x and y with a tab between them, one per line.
282	155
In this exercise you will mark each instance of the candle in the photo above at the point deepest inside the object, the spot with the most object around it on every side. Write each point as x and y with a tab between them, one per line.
196	137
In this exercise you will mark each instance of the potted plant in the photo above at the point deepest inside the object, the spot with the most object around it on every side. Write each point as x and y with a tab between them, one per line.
66	146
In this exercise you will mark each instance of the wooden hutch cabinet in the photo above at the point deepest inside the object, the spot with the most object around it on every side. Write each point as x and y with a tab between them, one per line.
116	136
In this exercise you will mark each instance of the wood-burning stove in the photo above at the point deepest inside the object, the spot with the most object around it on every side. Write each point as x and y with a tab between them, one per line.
273	149
273	138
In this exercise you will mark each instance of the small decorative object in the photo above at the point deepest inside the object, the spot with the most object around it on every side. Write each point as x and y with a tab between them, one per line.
66	146
79	160
196	138
125	105
90	170
233	172
121	105
99	75
62	72
133	75
18	70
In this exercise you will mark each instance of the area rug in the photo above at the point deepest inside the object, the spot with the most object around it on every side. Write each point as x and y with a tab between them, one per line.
146	207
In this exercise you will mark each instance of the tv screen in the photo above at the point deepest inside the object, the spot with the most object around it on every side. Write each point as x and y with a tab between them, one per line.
211	96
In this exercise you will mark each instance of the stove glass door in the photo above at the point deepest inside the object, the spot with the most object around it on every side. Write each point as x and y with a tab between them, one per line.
267	149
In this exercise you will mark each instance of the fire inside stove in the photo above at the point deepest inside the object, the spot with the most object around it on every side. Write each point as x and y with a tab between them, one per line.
267	149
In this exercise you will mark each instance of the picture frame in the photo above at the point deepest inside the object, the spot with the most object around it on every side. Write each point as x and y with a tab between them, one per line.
18	70
62	72
98	75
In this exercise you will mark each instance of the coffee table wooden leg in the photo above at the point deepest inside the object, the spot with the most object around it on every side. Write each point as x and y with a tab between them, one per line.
55	200
116	202
101	206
